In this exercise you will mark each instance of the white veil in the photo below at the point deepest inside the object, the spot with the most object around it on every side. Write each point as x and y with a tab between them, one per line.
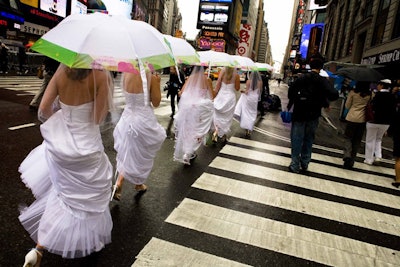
196	86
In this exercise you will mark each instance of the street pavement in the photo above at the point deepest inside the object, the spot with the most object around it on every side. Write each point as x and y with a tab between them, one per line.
237	204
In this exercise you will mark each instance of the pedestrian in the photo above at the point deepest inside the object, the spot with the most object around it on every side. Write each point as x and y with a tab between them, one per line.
3	58
265	92
69	174
307	94
356	103
246	107
224	102
195	115
22	59
279	81
175	83
50	66
384	108
396	136
137	136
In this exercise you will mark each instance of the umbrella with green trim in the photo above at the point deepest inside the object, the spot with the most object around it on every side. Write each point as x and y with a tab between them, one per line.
264	67
101	41
183	52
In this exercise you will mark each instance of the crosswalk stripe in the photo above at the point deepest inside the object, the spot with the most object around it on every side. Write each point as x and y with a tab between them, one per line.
162	253
283	176
277	236
334	217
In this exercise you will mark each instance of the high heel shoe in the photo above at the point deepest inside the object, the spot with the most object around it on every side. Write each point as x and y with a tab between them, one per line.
140	188
33	258
117	192
214	137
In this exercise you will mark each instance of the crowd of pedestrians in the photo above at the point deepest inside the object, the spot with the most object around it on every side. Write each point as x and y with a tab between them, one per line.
71	176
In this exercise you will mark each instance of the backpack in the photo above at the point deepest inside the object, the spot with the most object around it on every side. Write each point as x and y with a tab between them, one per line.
272	103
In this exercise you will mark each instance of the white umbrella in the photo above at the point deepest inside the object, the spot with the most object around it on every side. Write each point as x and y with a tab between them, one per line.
264	67
101	41
183	52
245	63
212	58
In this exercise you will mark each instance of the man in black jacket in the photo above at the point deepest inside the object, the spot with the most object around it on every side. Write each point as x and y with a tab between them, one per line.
175	84
308	94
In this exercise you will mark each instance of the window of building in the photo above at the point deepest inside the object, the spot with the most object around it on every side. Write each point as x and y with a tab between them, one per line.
380	22
368	8
396	26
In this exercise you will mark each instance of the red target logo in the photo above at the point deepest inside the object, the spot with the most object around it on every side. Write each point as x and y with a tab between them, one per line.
241	50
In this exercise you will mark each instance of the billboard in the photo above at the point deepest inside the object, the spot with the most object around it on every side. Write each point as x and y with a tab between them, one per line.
213	13
311	39
79	7
119	7
56	7
244	41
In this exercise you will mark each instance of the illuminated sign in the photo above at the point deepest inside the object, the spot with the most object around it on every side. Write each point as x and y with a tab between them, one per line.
34	28
79	7
32	3
119	7
11	17
204	43
214	13
3	22
212	34
56	7
311	39
218	45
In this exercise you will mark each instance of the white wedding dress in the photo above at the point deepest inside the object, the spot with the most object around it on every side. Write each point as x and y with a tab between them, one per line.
246	109
137	138
192	123
70	176
224	107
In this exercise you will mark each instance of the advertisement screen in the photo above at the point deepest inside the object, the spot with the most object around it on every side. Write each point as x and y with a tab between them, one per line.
311	39
119	7
215	13
78	7
56	7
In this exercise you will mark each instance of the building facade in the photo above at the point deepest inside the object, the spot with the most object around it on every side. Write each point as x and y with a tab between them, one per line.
364	32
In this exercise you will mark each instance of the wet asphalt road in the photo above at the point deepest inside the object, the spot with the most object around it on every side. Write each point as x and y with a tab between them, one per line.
136	219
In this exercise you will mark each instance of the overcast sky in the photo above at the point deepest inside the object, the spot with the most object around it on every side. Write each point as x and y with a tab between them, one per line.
278	15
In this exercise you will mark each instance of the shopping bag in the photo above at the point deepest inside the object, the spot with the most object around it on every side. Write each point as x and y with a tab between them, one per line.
286	116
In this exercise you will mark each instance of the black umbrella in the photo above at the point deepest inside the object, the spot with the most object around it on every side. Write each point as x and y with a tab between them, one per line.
361	74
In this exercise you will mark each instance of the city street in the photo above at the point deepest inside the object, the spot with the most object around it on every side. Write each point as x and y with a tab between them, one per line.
236	205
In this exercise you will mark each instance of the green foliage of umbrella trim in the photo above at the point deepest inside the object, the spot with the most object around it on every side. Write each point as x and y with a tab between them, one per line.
85	61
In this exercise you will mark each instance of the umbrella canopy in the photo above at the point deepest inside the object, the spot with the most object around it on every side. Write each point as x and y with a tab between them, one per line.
101	41
214	58
361	74
183	52
245	63
264	67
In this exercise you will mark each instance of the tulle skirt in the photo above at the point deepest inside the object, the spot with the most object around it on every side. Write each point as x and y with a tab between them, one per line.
71	182
137	138
192	123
